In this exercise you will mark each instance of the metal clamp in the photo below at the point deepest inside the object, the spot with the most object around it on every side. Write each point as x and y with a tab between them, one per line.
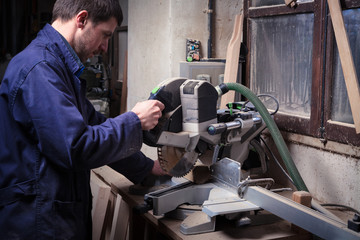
262	182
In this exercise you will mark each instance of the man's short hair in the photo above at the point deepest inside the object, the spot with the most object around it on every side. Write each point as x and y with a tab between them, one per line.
99	10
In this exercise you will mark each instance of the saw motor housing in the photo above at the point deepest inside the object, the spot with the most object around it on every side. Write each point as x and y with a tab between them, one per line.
192	128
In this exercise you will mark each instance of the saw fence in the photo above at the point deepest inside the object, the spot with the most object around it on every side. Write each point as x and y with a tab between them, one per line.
113	217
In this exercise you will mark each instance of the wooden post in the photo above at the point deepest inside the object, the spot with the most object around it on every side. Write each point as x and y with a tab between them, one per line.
346	59
124	87
120	224
101	194
232	59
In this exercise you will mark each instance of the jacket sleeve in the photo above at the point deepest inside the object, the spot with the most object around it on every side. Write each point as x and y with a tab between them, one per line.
135	168
95	118
49	106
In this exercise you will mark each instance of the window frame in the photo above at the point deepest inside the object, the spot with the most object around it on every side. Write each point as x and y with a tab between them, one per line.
319	124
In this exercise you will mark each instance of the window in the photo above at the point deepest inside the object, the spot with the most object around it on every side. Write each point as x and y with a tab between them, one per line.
293	56
281	60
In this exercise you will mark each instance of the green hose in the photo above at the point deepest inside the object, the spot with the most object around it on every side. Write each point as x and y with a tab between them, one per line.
274	131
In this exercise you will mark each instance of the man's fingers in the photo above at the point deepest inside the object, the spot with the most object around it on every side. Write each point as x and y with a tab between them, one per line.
161	105
149	113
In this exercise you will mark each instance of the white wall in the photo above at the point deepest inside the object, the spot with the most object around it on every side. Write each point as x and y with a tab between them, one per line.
331	172
157	33
330	177
157	37
148	47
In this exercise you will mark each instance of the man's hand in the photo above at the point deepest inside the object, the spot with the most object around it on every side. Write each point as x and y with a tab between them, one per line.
157	170
149	113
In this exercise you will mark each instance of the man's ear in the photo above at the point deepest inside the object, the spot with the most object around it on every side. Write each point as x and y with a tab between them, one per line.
81	19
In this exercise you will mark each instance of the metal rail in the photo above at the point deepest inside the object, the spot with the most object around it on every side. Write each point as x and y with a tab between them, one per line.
304	217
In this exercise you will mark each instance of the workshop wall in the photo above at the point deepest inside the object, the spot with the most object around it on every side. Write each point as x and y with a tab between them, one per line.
157	38
157	35
330	177
330	172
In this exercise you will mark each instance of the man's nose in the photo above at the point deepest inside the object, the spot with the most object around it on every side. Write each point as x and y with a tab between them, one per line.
104	46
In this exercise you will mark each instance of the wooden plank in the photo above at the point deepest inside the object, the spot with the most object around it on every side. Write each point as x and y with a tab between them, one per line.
346	59
101	194
199	175
124	87
120	224
106	231
232	59
114	61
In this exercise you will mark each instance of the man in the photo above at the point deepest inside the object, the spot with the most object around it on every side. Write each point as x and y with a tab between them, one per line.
51	136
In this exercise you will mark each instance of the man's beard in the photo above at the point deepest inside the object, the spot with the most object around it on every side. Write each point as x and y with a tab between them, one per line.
81	48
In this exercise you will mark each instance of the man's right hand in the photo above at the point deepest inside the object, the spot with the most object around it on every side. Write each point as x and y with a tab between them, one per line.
149	113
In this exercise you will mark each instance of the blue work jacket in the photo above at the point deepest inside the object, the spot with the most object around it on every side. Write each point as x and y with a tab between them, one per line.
51	137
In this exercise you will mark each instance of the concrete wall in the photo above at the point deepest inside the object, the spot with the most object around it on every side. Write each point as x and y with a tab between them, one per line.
330	177
157	38
157	33
331	172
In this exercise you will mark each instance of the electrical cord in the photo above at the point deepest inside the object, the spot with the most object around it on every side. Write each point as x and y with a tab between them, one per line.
339	205
266	95
276	160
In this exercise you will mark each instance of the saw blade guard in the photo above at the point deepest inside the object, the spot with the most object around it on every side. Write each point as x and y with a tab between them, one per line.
167	92
190	107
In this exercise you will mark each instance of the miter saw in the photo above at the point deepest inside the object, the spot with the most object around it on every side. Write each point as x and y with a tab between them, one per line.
192	128
192	132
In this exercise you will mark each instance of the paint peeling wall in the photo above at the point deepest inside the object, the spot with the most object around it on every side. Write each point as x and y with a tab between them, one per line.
329	172
332	178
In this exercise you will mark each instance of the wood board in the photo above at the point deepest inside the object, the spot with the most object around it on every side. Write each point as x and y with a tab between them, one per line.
123	101
120	224
346	59
232	59
101	194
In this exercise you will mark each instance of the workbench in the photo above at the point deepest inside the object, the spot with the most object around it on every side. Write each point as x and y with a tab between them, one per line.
148	226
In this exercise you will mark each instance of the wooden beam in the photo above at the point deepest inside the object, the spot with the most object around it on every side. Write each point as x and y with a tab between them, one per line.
346	59
101	194
120	224
232	59
123	102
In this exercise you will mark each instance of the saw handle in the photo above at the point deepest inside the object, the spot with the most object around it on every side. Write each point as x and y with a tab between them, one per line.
218	128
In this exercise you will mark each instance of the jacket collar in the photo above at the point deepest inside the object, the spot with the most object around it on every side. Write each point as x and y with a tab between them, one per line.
59	44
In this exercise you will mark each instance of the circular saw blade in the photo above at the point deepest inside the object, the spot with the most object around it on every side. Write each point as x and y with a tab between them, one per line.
176	161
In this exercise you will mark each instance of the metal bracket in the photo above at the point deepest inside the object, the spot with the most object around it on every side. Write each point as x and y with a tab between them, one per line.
265	182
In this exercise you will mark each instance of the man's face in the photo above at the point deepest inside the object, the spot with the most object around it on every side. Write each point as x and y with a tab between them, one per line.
93	40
